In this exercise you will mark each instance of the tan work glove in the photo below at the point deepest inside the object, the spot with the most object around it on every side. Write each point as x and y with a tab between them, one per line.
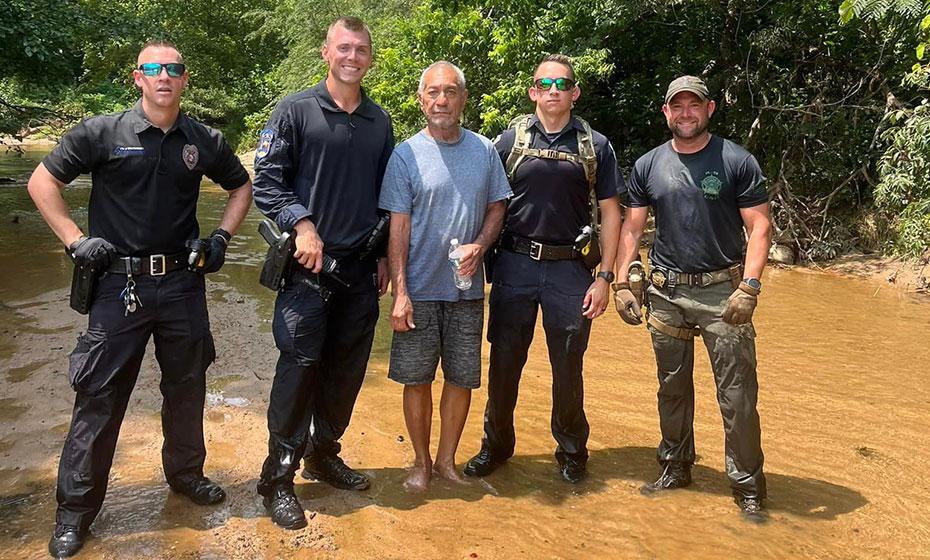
626	304
740	305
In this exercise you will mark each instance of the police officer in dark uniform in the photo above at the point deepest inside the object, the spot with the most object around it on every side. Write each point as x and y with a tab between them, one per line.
318	172
539	266
146	165
704	274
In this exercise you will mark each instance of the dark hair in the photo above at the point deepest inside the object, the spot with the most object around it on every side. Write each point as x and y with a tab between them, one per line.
561	59
352	24
162	43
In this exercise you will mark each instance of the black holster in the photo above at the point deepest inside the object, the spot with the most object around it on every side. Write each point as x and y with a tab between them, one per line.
490	259
83	286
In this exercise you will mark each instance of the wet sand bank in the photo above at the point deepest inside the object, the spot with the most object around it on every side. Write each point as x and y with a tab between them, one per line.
844	395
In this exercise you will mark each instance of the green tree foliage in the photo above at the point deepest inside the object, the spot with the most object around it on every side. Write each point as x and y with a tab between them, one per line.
809	95
902	194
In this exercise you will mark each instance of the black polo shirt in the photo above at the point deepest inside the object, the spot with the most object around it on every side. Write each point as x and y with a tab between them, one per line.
697	199
316	161
144	182
550	201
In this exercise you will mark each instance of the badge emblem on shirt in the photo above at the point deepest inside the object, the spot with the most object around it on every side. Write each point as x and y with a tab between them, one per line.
264	143
190	155
711	185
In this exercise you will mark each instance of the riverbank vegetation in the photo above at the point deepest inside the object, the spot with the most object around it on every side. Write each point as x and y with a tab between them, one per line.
830	96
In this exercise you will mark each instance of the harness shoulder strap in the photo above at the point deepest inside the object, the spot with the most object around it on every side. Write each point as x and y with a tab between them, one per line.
587	153
521	142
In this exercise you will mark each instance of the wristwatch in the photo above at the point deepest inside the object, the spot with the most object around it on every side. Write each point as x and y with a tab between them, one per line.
753	283
606	275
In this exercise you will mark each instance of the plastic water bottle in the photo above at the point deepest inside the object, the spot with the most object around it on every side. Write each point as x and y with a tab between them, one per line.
455	259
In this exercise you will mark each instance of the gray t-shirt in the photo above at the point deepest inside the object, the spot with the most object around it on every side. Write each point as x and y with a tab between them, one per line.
697	200
445	188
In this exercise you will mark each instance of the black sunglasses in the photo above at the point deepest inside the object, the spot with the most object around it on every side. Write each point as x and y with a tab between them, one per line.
561	84
174	69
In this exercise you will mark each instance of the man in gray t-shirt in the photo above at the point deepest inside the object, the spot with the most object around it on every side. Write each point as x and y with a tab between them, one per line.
443	183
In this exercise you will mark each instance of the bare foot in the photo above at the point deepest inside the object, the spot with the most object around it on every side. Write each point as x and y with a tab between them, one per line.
418	479
448	472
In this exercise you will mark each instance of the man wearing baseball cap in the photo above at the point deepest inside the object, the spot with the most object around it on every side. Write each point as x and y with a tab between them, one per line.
712	240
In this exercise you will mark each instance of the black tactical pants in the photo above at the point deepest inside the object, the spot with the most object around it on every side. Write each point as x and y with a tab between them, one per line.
103	371
324	349
520	287
732	352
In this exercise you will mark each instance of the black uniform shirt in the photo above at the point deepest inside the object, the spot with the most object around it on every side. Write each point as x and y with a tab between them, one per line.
696	199
550	201
144	182
316	161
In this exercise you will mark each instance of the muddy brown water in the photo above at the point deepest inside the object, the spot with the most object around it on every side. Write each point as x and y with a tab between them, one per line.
844	400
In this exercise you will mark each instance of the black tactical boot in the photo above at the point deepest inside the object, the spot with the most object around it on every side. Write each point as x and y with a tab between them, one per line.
66	541
573	471
675	475
332	470
200	489
752	508
482	464
286	511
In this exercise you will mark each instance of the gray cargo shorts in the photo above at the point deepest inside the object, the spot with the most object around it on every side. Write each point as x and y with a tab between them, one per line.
447	330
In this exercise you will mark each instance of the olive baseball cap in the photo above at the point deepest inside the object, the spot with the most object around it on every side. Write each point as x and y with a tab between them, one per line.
687	83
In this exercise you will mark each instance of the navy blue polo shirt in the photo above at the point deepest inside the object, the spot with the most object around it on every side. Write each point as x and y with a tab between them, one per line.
316	161
144	182
550	201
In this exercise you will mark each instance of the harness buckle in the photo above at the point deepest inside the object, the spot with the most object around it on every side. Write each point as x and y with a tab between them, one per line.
535	250
157	262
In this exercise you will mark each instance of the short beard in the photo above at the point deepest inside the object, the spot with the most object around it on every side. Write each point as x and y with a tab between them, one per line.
697	131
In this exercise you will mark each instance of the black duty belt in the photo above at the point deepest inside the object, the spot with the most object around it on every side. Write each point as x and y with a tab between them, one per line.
537	251
662	277
154	265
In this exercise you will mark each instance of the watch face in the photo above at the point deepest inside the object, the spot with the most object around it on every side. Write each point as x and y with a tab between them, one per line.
753	283
606	275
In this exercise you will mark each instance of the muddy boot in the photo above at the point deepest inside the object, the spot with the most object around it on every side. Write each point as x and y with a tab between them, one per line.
481	464
286	511
752	508
332	470
200	489
675	475
66	541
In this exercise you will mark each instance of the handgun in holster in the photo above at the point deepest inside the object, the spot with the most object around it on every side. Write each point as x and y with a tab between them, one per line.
278	267
377	237
588	247
83	285
280	257
490	260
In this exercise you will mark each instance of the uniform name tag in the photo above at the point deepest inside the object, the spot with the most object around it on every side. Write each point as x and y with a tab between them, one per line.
122	151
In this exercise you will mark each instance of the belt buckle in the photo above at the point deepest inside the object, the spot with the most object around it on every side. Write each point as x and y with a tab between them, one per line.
160	259
535	250
705	279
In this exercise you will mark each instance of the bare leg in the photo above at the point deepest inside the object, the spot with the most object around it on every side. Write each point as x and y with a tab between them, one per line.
453	410
418	414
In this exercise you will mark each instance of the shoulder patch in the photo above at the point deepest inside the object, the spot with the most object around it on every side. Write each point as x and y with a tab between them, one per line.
264	143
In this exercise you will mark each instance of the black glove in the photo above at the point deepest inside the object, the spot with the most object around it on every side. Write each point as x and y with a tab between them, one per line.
92	252
215	250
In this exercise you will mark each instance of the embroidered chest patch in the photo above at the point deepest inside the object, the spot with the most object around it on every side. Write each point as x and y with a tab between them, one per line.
711	185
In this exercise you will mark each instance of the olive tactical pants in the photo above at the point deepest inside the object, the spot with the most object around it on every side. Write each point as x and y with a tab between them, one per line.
732	354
